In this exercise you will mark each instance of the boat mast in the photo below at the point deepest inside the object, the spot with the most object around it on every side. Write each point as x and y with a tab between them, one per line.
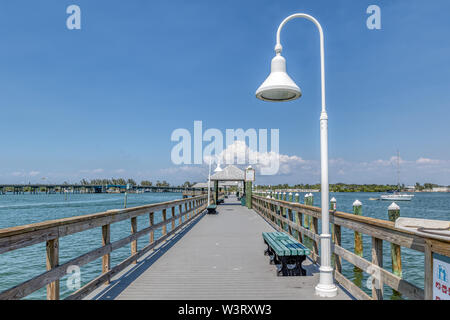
398	170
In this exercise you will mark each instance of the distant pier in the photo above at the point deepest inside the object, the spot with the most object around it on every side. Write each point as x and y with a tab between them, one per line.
78	188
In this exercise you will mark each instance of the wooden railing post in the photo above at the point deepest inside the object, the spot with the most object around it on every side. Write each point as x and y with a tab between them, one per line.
134	242
106	259
52	248
358	244
396	254
164	227
306	217
396	251
298	219
290	219
315	229
337	241
377	259
333	208
428	279
173	218
180	219
152	222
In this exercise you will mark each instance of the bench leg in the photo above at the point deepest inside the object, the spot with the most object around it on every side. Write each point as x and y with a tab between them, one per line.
299	265
282	266
290	266
267	251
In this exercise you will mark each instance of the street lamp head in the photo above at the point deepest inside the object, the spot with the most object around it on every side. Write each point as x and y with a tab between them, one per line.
278	86
218	168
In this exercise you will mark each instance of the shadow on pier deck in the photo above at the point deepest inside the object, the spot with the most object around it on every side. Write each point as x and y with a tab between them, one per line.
216	257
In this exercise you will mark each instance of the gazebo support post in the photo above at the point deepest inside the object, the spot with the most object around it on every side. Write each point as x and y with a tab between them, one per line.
216	191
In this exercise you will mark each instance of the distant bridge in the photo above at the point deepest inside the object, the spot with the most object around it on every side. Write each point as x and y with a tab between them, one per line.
79	188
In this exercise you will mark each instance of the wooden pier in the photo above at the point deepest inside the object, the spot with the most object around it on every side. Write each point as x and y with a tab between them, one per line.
199	256
220	257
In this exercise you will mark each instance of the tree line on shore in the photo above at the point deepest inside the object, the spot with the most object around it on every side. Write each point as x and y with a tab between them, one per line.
132	182
343	187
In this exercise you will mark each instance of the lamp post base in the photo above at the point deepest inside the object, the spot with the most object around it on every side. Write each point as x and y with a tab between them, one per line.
326	291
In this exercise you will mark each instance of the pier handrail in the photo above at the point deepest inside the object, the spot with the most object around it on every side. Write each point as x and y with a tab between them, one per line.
378	229
50	231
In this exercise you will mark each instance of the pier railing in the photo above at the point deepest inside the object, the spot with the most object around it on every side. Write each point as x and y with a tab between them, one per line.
280	214
49	232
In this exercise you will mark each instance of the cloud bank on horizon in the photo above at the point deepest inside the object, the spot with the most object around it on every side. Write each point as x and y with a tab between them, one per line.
293	169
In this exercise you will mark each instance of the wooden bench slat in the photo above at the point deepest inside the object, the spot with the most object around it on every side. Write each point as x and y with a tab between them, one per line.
285	245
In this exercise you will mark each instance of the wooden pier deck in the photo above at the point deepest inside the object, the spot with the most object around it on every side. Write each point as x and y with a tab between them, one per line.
215	257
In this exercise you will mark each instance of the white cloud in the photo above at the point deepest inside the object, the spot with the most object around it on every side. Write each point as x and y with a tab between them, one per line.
33	173
428	161
295	169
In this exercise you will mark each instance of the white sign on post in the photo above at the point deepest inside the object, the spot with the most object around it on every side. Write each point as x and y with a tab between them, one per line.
441	277
250	174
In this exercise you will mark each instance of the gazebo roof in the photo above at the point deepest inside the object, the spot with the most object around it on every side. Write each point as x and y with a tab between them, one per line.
200	185
230	173
221	184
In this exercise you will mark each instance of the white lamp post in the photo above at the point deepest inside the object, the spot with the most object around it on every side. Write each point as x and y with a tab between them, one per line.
209	181
280	87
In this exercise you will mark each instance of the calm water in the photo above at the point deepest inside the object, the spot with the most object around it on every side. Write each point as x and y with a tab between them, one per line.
20	265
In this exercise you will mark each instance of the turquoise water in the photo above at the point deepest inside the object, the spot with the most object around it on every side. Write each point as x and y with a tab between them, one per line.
20	265
23	264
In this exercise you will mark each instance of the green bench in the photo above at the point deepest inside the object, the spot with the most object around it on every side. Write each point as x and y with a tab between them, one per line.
211	208
286	253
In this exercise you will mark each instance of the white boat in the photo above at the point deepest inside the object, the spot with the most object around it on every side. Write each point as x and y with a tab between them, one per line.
397	196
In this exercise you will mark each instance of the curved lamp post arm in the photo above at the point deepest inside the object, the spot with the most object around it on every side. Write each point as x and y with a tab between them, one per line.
279	48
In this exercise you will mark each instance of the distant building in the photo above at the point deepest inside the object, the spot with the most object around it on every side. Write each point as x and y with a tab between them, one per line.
410	188
441	189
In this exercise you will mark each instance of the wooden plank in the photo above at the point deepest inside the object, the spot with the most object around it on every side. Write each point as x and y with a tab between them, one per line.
52	248
351	287
337	241
315	230
23	236
377	259
428	281
86	218
388	278
399	237
106	239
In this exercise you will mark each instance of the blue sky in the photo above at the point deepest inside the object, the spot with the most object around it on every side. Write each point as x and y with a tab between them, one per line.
103	101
